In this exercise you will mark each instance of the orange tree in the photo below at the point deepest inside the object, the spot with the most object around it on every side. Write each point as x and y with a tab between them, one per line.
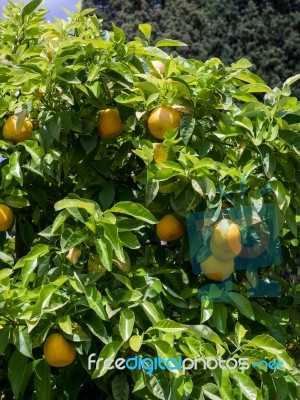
96	258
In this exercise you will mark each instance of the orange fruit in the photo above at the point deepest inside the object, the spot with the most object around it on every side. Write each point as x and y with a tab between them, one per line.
159	68
73	255
10	130
58	352
110	124
6	217
169	228
225	242
94	265
217	270
162	119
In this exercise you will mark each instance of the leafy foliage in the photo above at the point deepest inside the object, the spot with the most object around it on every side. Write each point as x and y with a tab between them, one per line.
228	30
69	188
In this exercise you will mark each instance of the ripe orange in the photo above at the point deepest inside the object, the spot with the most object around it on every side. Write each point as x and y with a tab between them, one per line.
169	228
159	68
6	217
225	242
10	130
73	255
162	119
110	124
95	265
217	270
58	352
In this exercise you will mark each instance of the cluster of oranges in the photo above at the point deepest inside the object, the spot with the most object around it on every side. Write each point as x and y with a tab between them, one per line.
225	240
225	245
161	119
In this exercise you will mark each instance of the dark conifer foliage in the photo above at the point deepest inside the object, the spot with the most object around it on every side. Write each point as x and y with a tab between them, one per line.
267	32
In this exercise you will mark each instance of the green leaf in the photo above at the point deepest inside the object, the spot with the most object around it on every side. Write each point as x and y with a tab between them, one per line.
292	139
157	384
5	272
246	97
126	324
187	126
129	99
45	296
279	191
135	210
168	325
95	302
42	381
169	43
70	239
242	304
50	129
177	387
240	332
242	63
267	343
105	251
255	88
89	143
135	342
22	340
16	202
206	163
205	332
246	385
95	325
31	6
4	339
209	389
37	251
65	324
207	309
244	122
291	221
166	174
268	159
59	220
220	317
16	371
70	78
119	35
15	168
152	52
74	203
146	30
123	279
120	387
107	195
225	386
292	80
128	239
247	76
152	187
152	311
109	351
112	235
